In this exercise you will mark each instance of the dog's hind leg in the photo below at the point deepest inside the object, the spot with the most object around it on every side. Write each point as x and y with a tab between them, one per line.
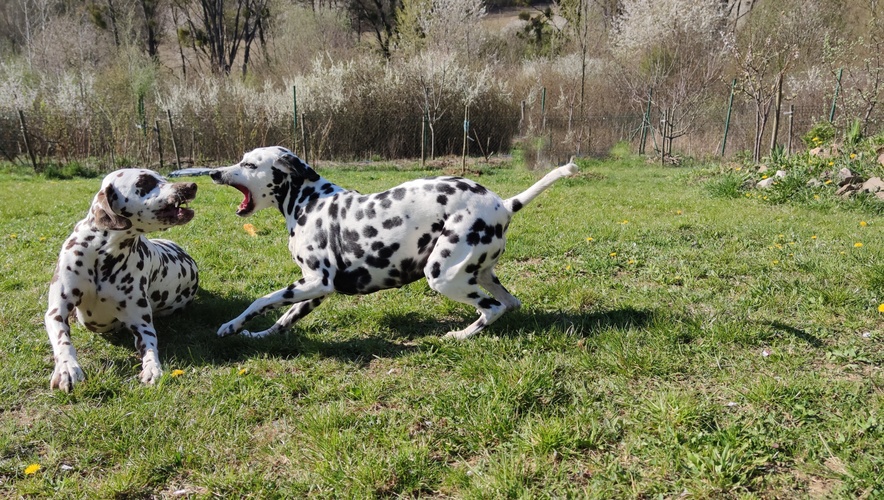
294	313
460	283
488	280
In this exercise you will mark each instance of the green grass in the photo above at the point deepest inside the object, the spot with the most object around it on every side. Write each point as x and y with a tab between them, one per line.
674	338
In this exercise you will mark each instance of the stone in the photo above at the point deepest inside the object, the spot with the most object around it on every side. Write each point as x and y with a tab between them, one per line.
766	183
847	190
873	185
814	183
762	169
843	174
781	174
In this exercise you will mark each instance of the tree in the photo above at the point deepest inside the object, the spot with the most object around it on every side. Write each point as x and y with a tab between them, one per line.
765	49
675	48
380	16
223	30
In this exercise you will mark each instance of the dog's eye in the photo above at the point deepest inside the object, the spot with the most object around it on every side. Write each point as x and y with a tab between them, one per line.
248	165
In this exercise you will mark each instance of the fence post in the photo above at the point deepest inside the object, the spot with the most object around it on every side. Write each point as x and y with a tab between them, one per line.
159	141
646	124
174	143
543	110
835	97
304	140
424	125
466	138
24	133
791	115
727	120
295	118
522	119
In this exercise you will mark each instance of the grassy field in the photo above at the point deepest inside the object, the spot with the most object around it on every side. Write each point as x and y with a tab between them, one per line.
672	342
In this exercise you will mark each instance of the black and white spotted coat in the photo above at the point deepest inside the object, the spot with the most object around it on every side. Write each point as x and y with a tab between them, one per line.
448	229
111	277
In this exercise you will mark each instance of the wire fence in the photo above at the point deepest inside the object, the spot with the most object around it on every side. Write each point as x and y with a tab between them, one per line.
157	138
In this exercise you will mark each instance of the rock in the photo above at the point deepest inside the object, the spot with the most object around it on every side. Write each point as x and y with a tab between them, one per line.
843	174
781	174
766	183
856	179
873	185
762	169
814	183
847	190
881	159
880	195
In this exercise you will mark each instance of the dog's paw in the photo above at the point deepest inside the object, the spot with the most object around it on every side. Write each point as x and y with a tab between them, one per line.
151	373
66	376
226	329
458	335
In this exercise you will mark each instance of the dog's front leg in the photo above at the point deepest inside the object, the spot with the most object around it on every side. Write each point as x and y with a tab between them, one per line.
146	344
62	301
302	294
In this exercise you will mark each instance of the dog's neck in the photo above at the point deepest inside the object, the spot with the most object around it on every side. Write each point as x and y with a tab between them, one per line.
296	194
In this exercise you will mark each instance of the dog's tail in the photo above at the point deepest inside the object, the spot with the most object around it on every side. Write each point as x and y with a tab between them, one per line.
516	203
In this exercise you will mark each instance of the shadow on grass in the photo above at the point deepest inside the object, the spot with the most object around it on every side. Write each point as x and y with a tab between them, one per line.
190	336
795	332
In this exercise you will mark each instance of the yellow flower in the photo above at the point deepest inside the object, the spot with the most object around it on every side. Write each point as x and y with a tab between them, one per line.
568	267
852	155
857	245
764	177
32	469
42	238
813	237
13	236
589	238
625	222
678	212
881	308
816	197
630	261
177	373
613	254
776	262
738	169
863	223
816	139
242	371
250	228
830	164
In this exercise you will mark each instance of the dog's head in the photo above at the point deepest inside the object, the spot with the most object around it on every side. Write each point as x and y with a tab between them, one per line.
141	200
262	175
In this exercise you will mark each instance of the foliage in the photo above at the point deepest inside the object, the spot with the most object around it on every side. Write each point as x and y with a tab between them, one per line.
821	133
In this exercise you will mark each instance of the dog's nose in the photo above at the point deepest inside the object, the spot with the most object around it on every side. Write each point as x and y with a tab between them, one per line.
216	176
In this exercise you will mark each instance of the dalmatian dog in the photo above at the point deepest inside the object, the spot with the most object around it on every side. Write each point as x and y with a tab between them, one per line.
449	229
116	279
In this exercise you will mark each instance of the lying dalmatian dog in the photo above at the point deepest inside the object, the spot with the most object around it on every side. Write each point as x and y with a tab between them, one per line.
114	277
449	229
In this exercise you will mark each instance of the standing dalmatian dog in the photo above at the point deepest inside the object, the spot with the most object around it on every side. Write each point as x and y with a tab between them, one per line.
115	278
449	229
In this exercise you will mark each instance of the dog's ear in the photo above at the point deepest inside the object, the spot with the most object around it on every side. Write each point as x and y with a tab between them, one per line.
298	167
105	217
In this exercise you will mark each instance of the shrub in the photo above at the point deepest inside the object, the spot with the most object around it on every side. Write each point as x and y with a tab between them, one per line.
819	134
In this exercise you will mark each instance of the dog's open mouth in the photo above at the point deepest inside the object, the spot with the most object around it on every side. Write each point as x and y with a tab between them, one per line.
177	213
247	205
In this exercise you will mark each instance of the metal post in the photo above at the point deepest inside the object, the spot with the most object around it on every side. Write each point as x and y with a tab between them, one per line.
543	110
835	98
304	140
174	142
295	118
646	124
791	115
466	132
159	141
424	125
24	133
727	121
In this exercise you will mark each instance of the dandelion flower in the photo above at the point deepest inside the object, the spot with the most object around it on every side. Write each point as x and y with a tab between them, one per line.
775	262
568	267
13	236
816	197
42	238
250	228
625	222
857	245
630	261
813	237
589	238
32	469
613	254
828	181
242	371
863	223
852	155
881	308
177	373
764	177
678	212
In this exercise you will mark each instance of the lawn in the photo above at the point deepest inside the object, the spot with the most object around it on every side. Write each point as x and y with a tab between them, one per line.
672	342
